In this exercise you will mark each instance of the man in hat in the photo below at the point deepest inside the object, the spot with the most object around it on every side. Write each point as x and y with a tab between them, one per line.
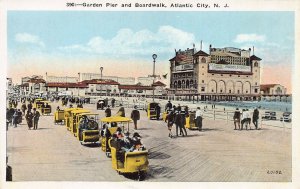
135	116
255	118
198	118
237	119
168	106
36	117
107	112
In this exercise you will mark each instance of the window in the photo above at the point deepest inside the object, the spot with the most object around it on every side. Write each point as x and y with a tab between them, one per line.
202	89
221	90
203	60
238	91
238	76
212	90
229	90
202	81
255	90
255	64
221	74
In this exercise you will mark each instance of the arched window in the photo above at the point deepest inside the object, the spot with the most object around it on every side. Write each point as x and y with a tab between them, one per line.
203	60
255	64
183	84
179	84
175	84
187	84
278	90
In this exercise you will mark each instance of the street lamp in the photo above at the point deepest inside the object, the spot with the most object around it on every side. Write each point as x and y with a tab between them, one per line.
154	56
101	69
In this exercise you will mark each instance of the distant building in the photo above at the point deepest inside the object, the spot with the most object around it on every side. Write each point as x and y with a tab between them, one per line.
33	86
272	89
222	74
61	79
147	81
121	80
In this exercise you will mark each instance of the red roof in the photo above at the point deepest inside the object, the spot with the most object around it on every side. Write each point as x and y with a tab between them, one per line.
34	80
25	85
158	83
65	85
101	82
135	87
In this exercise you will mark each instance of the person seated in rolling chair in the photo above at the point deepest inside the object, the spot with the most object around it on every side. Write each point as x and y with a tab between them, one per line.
83	124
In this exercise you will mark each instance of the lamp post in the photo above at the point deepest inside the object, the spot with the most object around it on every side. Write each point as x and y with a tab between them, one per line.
154	56
101	69
78	83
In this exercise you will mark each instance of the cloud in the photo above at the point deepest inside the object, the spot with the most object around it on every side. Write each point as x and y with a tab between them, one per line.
28	38
139	43
242	38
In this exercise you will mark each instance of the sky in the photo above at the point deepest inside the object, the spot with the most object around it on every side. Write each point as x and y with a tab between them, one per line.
67	42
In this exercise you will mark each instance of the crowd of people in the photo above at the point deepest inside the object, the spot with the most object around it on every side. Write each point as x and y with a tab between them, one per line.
15	116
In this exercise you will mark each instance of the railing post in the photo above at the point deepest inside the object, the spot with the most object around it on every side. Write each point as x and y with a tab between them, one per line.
214	114
227	117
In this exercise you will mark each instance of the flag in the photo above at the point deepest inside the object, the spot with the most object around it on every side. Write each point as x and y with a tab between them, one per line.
165	76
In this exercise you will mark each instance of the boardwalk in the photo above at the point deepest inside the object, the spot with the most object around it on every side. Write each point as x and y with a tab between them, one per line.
217	154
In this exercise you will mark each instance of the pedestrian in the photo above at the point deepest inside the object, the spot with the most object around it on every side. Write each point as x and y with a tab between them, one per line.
179	108
157	110
186	111
19	119
23	108
9	115
15	118
170	122
42	108
255	118
113	103
107	112
29	106
29	117
198	118
237	119
168	106
183	122
244	119
121	112
248	118
135	116
36	117
178	122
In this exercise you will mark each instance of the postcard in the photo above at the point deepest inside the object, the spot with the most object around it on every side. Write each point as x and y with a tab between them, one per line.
140	94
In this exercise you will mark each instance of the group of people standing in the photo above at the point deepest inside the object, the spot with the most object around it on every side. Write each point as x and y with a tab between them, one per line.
244	118
15	116
176	116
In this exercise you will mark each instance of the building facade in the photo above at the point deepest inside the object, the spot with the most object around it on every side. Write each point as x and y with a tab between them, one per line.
121	80
222	74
